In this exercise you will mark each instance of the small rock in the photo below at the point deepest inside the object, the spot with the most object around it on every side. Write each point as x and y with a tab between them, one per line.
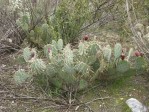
3	66
136	106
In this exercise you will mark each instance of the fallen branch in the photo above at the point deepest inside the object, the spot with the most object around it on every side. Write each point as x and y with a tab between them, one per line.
35	98
86	103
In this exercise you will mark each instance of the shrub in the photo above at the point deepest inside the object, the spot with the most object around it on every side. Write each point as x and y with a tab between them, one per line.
65	23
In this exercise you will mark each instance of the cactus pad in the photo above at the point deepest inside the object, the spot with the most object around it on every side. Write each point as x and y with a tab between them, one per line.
92	49
20	76
29	54
117	50
107	53
139	63
38	66
123	66
81	48
68	55
60	44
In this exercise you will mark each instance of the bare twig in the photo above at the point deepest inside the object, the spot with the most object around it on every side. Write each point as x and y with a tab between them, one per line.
104	98
34	98
86	103
140	43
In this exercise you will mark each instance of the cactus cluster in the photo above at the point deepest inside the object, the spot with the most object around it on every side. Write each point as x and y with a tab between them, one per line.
66	67
71	67
121	61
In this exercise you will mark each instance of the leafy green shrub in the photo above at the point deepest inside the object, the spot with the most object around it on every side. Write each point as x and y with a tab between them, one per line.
69	18
65	23
72	70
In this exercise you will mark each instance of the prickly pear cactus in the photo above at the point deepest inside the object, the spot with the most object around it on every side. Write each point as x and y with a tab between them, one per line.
123	66
90	59
24	22
38	66
117	51
45	33
67	74
82	48
29	54
54	47
68	55
93	49
54	43
48	51
130	53
82	68
107	53
70	70
32	33
51	70
60	44
140	63
20	76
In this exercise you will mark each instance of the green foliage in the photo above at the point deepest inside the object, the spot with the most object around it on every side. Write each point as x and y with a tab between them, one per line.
81	48
20	76
67	68
123	66
83	84
60	44
23	22
46	50
45	33
29	54
68	55
93	49
20	60
139	63
65	23
38	66
69	18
